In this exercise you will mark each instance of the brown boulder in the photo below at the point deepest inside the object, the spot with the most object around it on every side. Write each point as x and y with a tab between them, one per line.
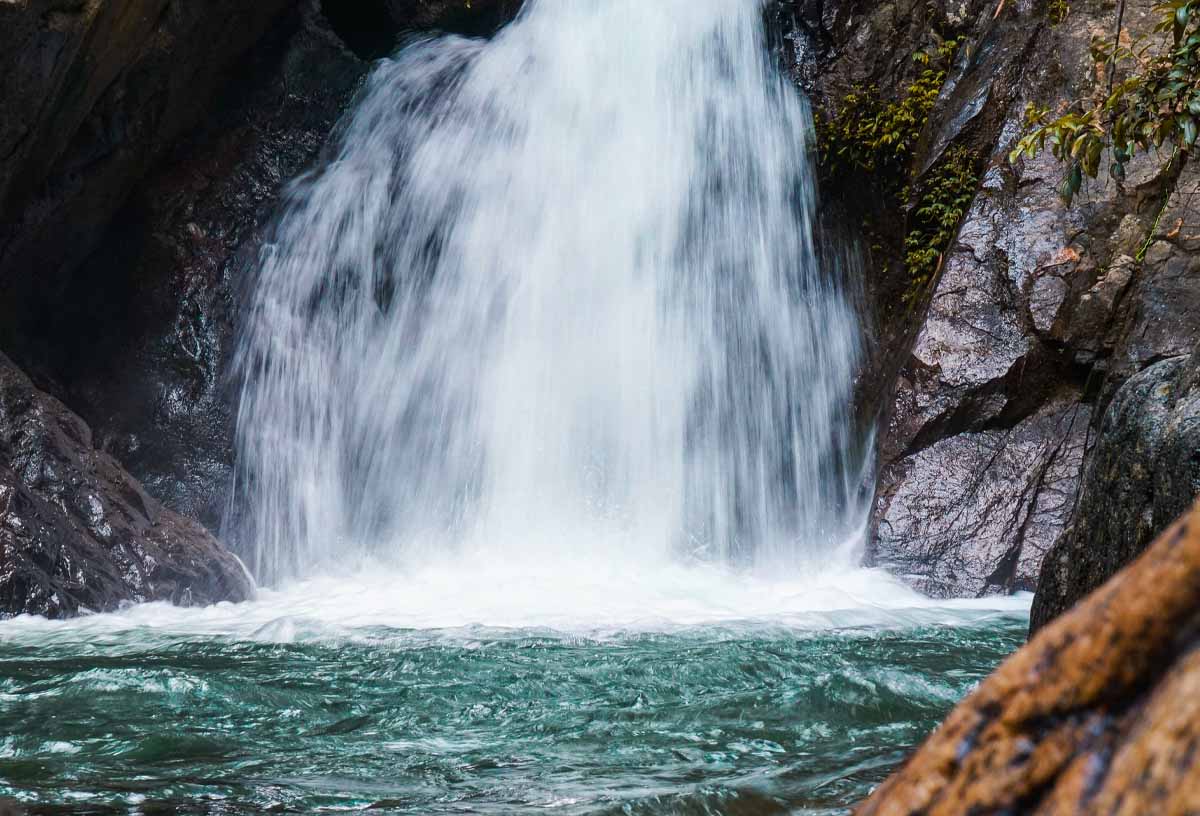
1098	714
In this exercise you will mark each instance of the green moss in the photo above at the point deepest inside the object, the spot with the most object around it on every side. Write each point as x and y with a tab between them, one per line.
934	222
872	136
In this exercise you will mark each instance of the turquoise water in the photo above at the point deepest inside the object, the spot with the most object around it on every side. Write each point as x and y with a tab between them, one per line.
249	709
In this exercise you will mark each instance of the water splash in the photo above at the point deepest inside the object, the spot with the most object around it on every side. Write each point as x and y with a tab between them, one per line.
555	296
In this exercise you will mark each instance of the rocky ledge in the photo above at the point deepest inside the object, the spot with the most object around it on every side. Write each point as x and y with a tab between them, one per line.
79	533
1098	714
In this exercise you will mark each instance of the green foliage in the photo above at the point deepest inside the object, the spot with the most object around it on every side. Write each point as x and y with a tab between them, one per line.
878	138
870	135
1057	11
943	203
1157	105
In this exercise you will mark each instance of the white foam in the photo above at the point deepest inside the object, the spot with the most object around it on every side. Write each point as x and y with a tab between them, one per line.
595	599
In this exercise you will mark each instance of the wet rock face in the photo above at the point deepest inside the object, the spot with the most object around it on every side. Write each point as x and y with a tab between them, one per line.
1039	314
1144	470
975	513
138	337
77	532
1098	714
988	429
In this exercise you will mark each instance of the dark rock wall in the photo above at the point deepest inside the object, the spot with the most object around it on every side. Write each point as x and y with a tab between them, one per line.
477	17
137	334
143	145
138	338
92	93
1143	472
77	532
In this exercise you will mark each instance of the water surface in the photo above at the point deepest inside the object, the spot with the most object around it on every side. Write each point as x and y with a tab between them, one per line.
311	701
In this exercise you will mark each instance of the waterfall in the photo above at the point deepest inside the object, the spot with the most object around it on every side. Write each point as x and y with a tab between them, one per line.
554	297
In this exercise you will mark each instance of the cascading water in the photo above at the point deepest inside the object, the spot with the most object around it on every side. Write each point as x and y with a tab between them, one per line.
548	334
555	299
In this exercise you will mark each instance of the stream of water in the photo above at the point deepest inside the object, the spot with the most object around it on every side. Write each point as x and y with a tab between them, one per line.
547	468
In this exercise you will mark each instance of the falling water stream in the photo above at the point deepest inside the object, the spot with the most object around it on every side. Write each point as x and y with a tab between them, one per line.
556	296
547	470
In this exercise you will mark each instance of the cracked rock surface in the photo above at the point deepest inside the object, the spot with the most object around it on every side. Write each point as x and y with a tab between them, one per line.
991	387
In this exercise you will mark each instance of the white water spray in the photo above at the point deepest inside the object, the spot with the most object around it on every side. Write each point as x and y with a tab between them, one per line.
555	301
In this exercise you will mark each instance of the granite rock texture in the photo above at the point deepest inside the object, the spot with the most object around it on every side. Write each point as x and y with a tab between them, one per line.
989	381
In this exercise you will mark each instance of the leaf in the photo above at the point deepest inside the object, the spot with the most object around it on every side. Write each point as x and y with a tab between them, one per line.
1094	151
1188	125
1066	193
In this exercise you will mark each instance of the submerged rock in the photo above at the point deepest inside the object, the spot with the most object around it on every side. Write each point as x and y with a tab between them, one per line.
1098	714
78	533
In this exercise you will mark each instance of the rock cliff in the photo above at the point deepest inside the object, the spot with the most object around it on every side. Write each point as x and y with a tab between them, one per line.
993	361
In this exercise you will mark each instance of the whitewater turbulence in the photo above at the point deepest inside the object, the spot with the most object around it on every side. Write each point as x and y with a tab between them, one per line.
554	301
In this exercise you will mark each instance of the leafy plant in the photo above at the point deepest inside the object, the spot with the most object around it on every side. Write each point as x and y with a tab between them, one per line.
870	135
878	138
944	201
1157	105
